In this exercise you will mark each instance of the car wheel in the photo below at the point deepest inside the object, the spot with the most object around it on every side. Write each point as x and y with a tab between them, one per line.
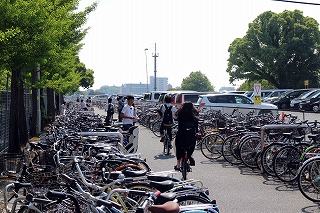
284	106
315	108
264	112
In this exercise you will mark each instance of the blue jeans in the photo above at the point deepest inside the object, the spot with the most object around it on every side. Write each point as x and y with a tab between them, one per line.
126	127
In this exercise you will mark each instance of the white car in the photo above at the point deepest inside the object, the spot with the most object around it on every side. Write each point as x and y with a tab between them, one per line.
227	103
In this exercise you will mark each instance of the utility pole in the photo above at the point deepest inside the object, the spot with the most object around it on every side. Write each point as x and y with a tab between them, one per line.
155	55
146	68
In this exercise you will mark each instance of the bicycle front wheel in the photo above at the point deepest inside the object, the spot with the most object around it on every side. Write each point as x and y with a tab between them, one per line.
309	179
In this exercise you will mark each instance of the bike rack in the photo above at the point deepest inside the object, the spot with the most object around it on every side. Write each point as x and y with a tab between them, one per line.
104	134
133	138
279	126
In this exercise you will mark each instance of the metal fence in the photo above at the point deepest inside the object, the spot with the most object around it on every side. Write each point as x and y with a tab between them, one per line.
4	117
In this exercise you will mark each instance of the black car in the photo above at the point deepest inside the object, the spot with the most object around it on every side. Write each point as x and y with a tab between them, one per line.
311	103
283	102
294	104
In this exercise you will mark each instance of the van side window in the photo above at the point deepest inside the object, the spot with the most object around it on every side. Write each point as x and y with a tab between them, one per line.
212	99
191	98
231	99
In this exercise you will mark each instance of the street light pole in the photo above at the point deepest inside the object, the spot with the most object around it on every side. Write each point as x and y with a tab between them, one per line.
145	52
155	55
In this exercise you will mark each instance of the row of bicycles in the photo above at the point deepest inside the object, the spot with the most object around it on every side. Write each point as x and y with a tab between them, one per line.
282	147
82	165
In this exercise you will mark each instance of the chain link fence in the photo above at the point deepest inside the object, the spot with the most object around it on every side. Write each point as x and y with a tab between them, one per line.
5	114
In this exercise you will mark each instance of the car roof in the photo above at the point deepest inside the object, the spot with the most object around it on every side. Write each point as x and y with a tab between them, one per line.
223	94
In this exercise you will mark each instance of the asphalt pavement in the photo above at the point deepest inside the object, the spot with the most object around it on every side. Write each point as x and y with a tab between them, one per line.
237	189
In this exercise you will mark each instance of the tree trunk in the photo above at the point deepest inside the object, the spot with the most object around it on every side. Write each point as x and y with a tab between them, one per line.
50	105
18	135
34	116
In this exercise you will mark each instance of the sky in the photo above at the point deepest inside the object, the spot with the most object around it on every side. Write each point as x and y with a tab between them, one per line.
190	35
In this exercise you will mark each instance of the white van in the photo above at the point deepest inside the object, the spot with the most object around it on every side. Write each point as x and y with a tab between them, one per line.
153	96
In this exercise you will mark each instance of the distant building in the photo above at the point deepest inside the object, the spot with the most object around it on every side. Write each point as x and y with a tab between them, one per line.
227	89
137	89
162	84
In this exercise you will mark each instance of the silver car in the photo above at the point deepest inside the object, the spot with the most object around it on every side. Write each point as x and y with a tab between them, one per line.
227	103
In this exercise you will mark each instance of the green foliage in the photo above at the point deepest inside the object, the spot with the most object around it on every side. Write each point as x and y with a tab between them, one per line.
4	74
197	81
248	85
48	33
280	48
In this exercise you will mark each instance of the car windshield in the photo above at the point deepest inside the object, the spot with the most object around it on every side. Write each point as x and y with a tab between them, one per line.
307	94
248	93
315	94
285	93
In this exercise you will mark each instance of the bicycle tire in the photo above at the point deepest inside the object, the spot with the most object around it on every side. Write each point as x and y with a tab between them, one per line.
286	163
184	168
249	150
227	151
308	179
267	156
156	128
167	141
211	146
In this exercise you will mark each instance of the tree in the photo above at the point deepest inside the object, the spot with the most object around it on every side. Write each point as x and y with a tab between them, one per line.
248	85
280	48
197	81
31	32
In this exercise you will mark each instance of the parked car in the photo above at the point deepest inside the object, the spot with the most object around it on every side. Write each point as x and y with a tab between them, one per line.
283	101
294	104
227	103
192	97
311	103
264	93
274	94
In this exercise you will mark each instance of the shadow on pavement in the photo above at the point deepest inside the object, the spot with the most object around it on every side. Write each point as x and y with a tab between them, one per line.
163	157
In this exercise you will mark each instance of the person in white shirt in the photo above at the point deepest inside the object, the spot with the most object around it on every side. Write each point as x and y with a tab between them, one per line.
83	105
127	114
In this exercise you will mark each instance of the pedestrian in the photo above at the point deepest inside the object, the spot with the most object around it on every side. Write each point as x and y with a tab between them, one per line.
127	113
83	105
186	134
120	107
63	108
167	115
109	108
134	114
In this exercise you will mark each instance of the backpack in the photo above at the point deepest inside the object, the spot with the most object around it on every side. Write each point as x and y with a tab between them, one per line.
110	108
167	116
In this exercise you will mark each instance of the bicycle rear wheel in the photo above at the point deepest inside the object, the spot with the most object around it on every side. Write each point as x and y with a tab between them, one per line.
249	150
286	163
184	168
267	156
211	146
227	150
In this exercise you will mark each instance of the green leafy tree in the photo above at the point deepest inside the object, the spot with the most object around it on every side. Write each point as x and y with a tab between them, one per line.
197	81
31	32
280	48
248	85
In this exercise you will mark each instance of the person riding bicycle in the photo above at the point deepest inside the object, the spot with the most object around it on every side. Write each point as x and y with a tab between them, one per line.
167	114
186	134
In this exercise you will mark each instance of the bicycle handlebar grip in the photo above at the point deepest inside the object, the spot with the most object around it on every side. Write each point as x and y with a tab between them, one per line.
54	194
